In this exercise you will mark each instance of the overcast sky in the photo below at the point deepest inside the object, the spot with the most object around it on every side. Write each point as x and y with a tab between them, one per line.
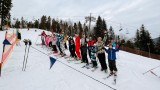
131	14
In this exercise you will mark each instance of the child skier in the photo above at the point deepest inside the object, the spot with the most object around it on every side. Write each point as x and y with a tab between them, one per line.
47	40
54	44
72	49
90	44
58	43
18	37
43	35
61	40
112	58
93	55
65	39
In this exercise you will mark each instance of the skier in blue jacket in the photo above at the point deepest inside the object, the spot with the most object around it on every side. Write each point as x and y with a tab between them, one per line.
59	39
112	58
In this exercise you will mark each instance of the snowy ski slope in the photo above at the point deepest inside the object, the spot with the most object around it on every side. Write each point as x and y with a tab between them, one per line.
38	76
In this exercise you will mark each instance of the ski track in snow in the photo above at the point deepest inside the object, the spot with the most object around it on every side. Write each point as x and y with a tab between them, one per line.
38	76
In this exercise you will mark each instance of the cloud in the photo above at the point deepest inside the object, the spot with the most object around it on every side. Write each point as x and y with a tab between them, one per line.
130	13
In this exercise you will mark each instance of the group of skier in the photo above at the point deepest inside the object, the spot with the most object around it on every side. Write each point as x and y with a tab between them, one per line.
80	48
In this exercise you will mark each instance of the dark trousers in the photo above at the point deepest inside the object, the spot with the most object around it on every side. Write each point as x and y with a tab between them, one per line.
112	65
60	49
102	60
65	45
72	51
50	44
94	63
84	54
84	58
54	48
89	51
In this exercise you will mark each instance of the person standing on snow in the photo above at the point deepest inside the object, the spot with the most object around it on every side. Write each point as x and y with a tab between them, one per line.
18	34
93	55
58	43
77	46
61	45
112	58
90	44
101	52
54	44
65	39
71	45
72	49
84	49
47	40
43	35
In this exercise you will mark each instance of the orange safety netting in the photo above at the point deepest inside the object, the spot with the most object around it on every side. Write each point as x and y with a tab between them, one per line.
7	49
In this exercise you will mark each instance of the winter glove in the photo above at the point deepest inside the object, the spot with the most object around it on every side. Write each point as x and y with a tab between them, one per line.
25	41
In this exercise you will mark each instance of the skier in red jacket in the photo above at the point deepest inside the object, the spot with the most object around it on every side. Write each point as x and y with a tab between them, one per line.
77	46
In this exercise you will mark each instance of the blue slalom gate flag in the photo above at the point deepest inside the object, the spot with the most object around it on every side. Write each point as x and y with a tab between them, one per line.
52	61
6	42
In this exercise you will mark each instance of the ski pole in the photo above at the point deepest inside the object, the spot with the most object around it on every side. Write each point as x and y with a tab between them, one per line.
26	42
155	74
150	70
30	43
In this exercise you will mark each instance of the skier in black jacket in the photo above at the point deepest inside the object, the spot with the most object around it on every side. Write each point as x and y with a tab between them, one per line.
72	49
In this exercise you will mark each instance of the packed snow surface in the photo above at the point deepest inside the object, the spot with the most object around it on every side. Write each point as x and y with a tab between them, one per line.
61	77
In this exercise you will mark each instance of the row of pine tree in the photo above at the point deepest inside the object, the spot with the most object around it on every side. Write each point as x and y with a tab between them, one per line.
142	40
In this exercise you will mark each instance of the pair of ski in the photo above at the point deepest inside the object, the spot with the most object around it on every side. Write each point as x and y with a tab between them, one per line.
73	60
95	68
155	74
70	60
88	67
27	42
115	78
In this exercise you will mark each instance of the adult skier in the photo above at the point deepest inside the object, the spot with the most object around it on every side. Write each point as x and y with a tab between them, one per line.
77	46
101	52
84	49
